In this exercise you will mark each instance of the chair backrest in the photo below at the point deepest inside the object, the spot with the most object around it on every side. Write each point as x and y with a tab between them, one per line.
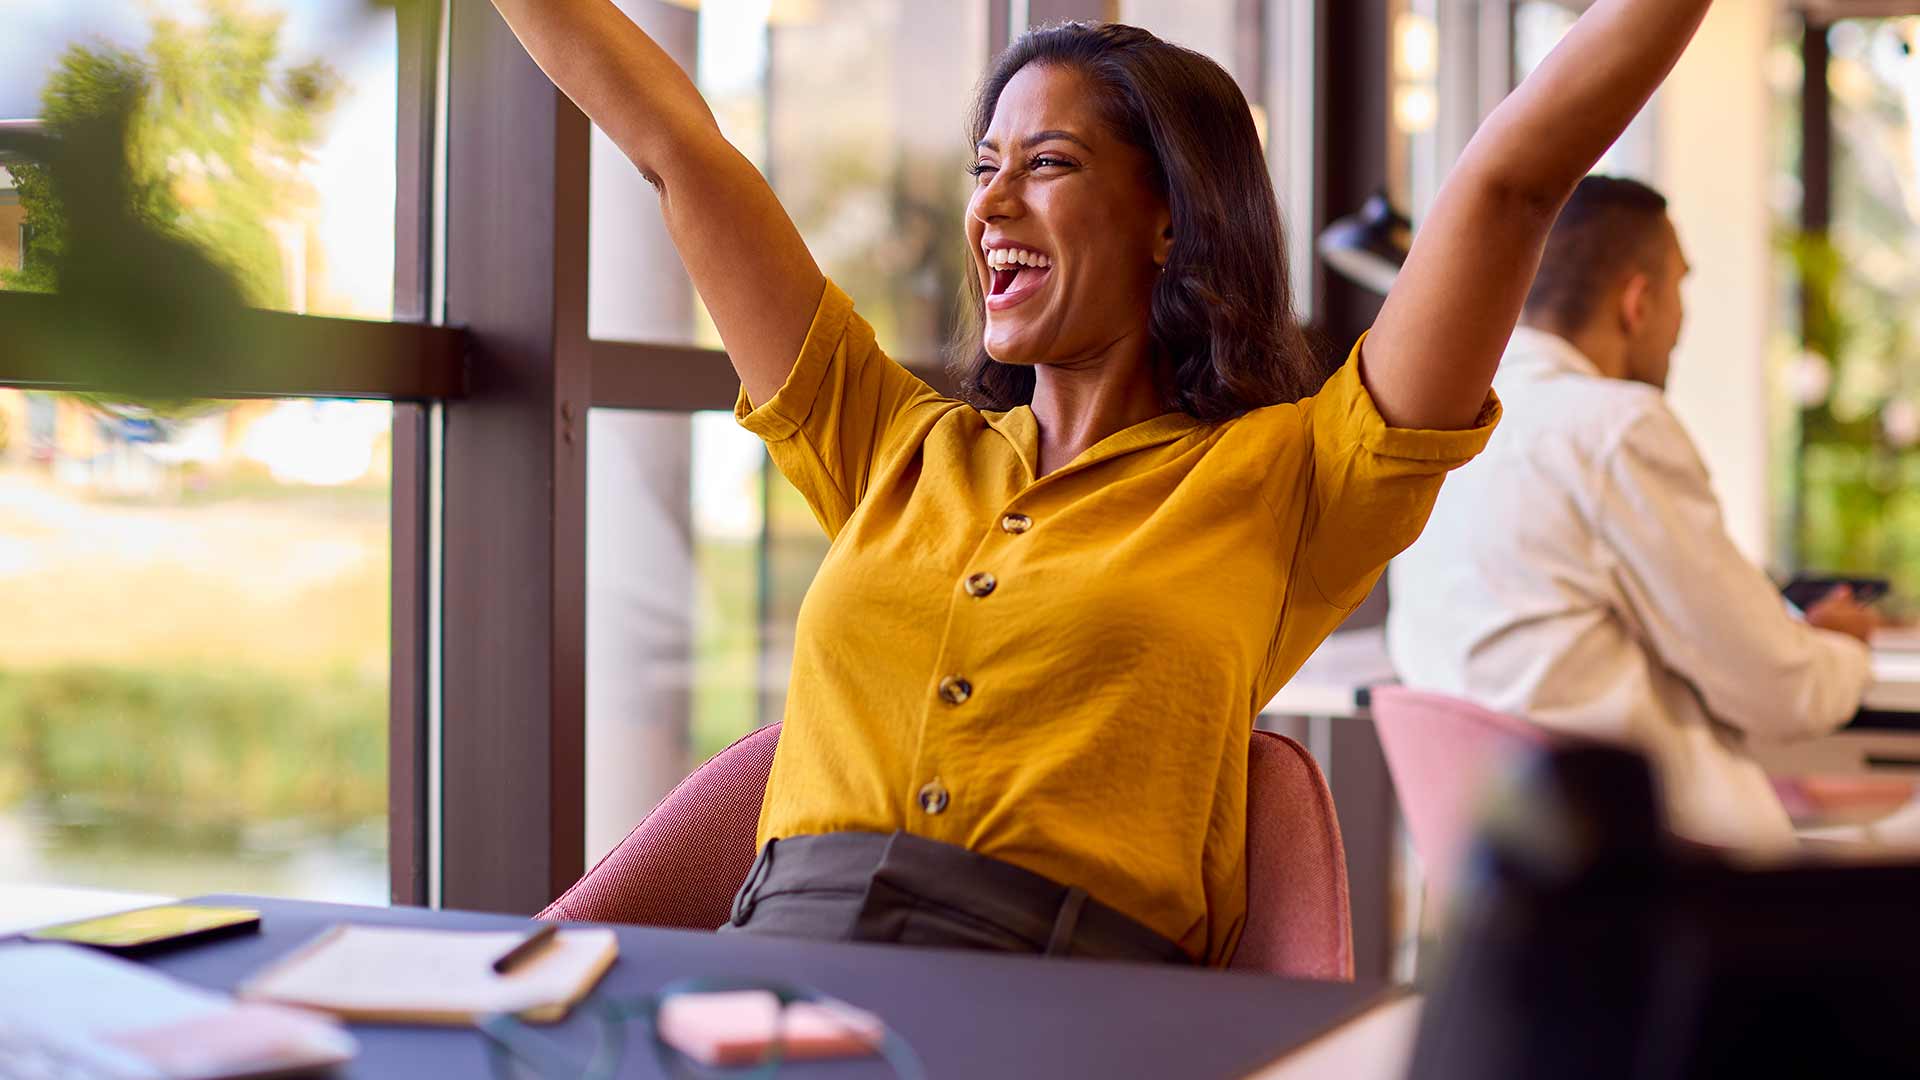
1441	752
1299	923
682	864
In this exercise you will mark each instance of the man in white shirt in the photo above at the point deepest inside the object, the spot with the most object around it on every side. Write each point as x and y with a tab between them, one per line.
1578	574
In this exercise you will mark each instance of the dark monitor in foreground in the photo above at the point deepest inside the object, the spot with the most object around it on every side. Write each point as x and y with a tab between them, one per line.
1590	943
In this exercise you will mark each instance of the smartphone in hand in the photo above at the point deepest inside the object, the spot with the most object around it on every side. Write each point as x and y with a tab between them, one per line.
1806	590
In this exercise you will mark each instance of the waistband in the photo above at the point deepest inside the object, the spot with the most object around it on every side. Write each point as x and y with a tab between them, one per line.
879	874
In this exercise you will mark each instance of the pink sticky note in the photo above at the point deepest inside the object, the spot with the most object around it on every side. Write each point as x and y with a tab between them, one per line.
741	1027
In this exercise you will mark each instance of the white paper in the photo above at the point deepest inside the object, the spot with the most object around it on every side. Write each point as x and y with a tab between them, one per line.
407	970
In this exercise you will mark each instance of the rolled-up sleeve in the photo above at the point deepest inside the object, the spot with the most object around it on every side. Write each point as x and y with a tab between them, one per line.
1373	485
1710	615
843	407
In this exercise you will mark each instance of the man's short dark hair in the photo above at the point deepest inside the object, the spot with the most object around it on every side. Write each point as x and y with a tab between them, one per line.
1610	228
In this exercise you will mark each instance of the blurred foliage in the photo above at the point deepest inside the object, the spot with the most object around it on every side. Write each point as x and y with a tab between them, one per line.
1849	402
44	235
196	746
889	230
151	210
1858	488
726	647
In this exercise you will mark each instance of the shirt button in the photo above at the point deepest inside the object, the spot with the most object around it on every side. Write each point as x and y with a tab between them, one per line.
980	586
934	797
1016	523
955	690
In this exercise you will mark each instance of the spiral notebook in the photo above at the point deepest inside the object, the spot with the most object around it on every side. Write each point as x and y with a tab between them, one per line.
402	975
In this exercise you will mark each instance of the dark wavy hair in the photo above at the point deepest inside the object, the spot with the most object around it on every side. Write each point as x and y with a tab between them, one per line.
1225	337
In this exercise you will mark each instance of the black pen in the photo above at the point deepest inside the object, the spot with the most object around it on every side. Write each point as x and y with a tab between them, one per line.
526	947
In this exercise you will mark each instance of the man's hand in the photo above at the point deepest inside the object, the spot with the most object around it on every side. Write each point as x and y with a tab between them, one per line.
1838	611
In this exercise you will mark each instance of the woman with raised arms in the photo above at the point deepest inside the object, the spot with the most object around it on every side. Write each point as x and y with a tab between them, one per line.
1025	677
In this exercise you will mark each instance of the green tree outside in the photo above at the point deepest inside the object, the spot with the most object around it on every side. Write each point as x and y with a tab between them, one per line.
216	138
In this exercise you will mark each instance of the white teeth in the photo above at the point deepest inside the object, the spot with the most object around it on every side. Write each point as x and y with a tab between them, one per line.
1002	258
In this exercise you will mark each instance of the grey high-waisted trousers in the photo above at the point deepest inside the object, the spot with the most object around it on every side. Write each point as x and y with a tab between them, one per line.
914	891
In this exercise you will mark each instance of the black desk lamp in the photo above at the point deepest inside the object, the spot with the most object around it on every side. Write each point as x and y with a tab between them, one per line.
1368	248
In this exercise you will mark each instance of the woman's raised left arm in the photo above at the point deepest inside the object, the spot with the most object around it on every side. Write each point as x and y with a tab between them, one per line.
1434	350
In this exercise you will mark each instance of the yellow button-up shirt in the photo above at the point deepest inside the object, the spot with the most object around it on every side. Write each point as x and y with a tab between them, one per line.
1062	671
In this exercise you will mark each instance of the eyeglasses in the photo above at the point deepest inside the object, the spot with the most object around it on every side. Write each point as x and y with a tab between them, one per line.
519	1051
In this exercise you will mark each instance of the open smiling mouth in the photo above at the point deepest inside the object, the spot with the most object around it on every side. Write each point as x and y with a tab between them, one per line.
1014	283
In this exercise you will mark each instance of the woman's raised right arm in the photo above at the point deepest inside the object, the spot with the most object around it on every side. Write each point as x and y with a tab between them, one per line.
747	260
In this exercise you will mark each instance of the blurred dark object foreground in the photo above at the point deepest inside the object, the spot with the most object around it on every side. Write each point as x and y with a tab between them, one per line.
1590	943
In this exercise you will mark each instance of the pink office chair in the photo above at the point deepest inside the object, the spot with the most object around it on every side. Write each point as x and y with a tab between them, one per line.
1441	752
681	865
1298	921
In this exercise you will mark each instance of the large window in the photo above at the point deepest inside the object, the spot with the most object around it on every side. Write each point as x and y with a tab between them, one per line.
1213	27
263	131
1847	385
194	661
194	694
698	551
867	153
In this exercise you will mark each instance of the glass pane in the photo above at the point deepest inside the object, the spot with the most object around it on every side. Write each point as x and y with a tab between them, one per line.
866	151
1208	26
1538	26
12	222
1848	388
1260	46
264	133
698	554
193	662
1218	28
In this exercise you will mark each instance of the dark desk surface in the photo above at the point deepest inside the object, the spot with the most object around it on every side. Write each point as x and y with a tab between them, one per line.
966	1015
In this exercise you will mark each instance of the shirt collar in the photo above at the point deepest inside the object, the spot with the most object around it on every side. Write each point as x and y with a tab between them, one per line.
1020	429
1537	352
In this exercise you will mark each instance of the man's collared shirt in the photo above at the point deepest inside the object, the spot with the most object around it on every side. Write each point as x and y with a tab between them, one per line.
1579	575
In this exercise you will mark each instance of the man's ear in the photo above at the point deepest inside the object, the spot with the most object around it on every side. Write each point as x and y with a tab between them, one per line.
1635	301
